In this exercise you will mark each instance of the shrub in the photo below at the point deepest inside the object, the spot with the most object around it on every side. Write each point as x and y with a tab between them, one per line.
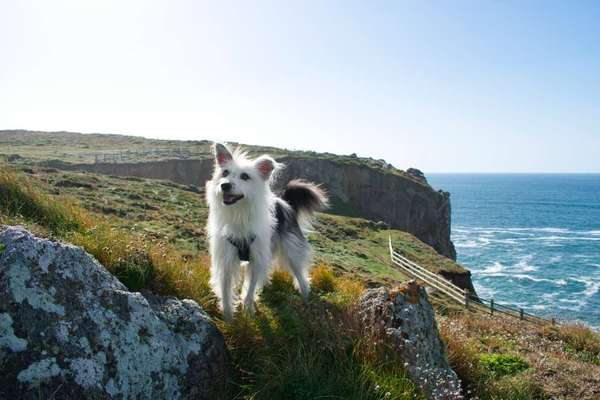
498	365
322	279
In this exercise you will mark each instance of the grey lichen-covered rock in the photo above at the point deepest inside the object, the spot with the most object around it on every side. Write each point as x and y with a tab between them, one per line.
405	317
70	330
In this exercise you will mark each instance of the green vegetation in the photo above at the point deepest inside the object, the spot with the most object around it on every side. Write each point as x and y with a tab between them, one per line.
499	365
18	197
297	350
149	234
69	147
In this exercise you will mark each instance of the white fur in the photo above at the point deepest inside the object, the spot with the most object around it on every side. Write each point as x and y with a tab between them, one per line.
253	215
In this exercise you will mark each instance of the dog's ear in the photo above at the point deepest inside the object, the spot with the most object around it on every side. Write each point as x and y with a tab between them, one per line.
265	166
222	154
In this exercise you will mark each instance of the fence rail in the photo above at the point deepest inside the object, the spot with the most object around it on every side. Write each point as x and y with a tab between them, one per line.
458	294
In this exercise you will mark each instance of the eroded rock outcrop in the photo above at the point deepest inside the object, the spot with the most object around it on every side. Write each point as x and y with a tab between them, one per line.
407	204
405	317
70	330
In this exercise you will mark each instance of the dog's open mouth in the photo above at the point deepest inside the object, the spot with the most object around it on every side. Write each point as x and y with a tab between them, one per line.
230	199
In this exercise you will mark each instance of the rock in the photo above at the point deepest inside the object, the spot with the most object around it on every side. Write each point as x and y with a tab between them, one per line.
381	225
13	157
405	317
417	174
71	330
67	183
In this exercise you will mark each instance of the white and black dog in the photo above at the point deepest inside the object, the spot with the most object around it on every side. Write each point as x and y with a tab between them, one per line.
250	228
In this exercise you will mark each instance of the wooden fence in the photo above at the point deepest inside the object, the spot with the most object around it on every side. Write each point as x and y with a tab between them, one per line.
461	296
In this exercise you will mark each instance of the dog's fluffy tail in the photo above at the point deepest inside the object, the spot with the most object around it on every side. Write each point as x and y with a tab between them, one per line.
305	198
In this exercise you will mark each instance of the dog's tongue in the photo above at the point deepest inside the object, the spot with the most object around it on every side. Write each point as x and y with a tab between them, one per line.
228	197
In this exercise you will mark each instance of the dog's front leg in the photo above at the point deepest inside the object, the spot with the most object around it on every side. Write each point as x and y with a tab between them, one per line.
225	272
256	274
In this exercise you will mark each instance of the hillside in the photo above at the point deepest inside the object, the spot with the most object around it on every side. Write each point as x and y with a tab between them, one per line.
149	234
176	214
358	187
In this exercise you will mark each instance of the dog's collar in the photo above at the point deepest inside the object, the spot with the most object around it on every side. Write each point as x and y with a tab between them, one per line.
242	245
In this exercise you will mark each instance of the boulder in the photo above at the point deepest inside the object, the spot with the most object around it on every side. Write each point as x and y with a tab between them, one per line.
405	318
417	174
71	330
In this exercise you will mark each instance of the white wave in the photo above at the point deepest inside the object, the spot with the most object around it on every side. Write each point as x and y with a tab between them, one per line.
555	259
534	279
538	307
513	229
469	244
592	285
592	289
493	269
504	241
523	230
485	291
484	241
524	266
550	296
570	301
571	305
566	238
484	274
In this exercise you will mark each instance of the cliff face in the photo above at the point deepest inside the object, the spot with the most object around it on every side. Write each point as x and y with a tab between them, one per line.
401	202
407	204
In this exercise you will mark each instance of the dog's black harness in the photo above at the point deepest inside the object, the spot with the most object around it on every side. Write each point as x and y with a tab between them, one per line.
242	246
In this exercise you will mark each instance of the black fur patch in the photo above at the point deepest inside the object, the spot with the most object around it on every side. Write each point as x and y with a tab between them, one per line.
287	221
243	246
304	196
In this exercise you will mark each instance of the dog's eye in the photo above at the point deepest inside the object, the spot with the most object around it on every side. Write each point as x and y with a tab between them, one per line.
244	176
225	173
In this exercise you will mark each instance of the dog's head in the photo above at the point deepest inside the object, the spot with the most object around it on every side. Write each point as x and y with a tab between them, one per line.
238	180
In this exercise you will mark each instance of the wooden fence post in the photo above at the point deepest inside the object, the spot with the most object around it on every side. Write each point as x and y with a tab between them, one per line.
492	306
520	313
466	298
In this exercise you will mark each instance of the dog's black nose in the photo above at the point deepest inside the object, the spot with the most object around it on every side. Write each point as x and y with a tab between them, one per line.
226	187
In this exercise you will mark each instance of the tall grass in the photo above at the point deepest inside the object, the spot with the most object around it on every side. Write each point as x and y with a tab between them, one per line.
312	350
20	198
139	262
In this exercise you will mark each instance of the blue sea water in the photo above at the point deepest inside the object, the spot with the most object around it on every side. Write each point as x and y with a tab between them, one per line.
530	240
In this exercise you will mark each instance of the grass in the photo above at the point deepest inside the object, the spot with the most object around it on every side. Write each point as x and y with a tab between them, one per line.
146	232
578	339
19	198
139	260
297	350
501	358
74	147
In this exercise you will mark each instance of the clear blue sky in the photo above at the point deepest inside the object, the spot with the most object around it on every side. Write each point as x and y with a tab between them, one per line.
475	86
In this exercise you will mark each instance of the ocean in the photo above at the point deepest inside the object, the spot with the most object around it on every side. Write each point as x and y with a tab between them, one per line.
530	240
